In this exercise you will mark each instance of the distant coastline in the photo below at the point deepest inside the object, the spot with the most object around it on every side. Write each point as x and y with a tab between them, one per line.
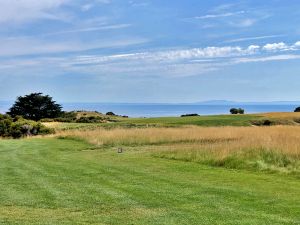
166	109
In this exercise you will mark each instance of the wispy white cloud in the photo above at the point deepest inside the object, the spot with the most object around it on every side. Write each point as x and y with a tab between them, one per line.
180	62
242	17
267	58
19	11
103	1
171	56
31	46
139	3
297	44
212	16
76	30
92	4
22	11
87	7
90	29
276	46
224	7
244	22
250	19
253	48
253	38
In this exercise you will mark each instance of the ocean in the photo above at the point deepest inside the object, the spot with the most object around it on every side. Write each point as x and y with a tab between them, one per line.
159	110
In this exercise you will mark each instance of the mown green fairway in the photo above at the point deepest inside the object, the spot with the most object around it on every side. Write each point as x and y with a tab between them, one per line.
56	181
204	121
215	120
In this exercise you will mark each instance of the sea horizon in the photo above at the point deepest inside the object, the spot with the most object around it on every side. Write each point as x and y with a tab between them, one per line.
172	109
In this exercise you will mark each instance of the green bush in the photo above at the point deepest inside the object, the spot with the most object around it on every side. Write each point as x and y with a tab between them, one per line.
90	119
65	120
263	122
5	126
188	115
110	114
65	117
73	117
237	111
69	115
297	109
18	127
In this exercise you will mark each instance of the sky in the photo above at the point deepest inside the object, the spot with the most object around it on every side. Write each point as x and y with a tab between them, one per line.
150	51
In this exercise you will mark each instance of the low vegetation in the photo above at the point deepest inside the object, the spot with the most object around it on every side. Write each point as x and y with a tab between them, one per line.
237	111
81	117
187	115
18	127
260	148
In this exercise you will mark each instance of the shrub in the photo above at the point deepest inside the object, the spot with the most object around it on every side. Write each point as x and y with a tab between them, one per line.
65	117
90	119
234	111
237	111
110	114
263	122
65	120
19	127
187	115
69	115
297	109
5	126
241	111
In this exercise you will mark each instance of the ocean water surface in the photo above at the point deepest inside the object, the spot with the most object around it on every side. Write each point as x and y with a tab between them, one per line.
158	110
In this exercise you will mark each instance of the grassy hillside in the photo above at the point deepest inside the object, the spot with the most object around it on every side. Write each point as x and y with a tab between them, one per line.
60	181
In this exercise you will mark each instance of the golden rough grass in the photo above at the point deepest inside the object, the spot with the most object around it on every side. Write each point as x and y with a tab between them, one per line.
52	124
281	115
221	140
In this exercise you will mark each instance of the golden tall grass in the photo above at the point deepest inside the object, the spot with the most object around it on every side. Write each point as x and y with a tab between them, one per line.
220	140
281	115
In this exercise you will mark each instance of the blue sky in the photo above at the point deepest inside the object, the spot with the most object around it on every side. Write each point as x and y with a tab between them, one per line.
150	50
